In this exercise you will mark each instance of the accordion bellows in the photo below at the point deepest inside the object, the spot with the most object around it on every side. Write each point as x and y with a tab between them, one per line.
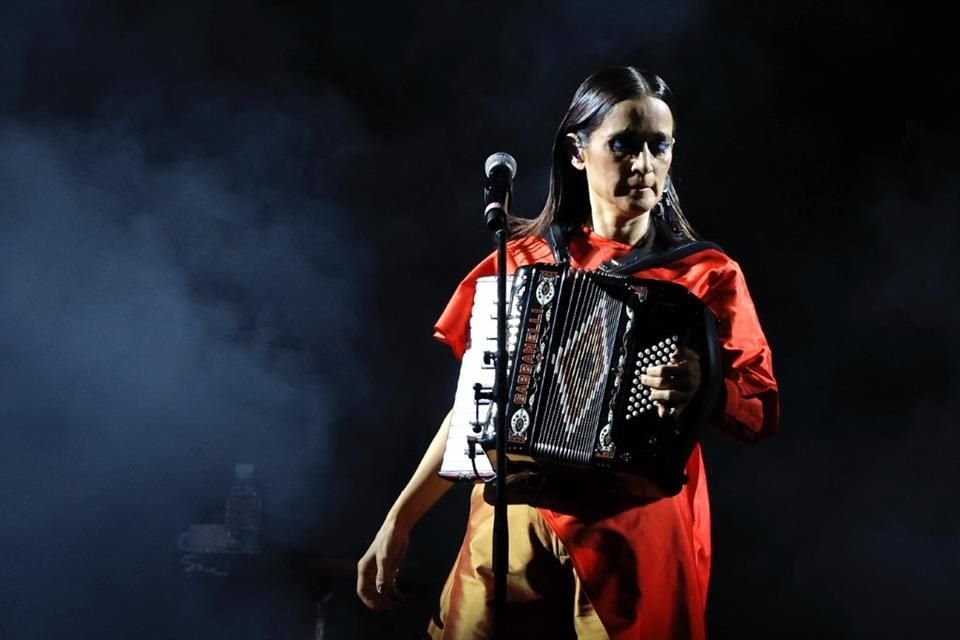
578	342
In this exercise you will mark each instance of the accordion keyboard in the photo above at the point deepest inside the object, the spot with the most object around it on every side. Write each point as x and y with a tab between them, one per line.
476	368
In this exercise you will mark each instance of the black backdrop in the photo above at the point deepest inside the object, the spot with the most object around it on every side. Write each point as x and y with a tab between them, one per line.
227	228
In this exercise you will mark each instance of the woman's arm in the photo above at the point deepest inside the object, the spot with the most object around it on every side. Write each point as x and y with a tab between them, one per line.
751	400
377	569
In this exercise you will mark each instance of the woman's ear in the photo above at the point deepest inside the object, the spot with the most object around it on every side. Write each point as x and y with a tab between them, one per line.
576	151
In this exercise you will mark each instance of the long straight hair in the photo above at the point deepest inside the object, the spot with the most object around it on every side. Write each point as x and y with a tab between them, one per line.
568	202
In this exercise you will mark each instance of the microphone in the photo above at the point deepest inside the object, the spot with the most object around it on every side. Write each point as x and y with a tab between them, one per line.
500	169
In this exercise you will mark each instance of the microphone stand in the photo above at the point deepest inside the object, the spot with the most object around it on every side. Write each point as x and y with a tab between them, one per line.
496	221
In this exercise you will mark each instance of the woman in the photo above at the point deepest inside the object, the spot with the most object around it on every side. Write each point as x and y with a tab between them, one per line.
638	569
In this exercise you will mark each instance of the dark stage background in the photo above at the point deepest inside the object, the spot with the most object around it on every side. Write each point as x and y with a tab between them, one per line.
226	230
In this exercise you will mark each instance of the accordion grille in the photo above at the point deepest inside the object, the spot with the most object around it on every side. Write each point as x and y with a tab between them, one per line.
573	406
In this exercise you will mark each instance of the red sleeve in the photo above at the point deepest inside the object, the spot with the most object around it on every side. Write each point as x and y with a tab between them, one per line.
752	409
453	326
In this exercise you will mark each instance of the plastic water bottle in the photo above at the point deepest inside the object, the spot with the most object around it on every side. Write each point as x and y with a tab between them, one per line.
243	511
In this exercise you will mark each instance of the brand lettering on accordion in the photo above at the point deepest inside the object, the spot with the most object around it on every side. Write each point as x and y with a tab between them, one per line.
529	356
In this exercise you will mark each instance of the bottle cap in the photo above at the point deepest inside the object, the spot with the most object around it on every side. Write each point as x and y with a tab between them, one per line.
243	471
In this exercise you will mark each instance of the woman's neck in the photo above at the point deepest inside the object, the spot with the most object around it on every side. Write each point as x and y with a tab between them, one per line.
626	229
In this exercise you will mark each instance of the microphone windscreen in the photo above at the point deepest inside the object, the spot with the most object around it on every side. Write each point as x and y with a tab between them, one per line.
500	159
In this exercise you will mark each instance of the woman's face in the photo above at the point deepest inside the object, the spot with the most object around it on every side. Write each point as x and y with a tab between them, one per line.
628	156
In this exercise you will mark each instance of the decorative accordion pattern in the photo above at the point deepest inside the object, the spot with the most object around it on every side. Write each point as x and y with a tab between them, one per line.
578	343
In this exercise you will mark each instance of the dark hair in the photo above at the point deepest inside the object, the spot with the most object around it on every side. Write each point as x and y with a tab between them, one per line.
568	202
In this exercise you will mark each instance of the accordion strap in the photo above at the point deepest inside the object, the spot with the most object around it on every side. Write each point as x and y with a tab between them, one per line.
556	237
643	258
639	258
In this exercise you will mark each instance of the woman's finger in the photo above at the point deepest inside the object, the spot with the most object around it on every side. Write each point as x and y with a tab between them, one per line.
681	369
387	575
670	397
384	584
685	353
673	378
668	370
366	583
664	411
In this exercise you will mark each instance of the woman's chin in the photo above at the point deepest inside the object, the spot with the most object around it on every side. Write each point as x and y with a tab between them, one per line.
639	206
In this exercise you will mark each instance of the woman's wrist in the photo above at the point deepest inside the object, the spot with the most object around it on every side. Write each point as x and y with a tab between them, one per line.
400	518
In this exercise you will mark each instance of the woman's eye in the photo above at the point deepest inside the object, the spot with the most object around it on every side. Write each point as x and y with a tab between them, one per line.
623	145
634	145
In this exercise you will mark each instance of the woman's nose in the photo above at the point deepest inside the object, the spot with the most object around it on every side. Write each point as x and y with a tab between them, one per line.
643	161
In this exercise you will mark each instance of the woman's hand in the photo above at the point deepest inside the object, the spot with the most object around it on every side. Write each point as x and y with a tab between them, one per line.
674	385
378	568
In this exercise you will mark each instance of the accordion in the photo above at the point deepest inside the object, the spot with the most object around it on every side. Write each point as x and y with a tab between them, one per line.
578	342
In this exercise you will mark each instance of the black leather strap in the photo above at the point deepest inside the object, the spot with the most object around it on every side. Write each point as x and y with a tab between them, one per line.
639	258
557	237
643	258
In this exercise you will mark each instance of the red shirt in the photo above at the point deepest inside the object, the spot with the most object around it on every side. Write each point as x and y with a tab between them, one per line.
646	568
